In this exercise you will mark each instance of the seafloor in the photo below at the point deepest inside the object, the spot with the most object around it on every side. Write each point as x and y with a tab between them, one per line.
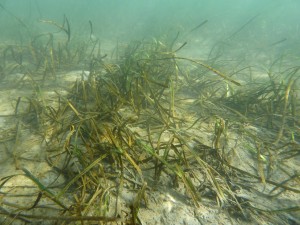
78	146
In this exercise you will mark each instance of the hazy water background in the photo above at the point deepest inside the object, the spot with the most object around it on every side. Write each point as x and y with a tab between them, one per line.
241	26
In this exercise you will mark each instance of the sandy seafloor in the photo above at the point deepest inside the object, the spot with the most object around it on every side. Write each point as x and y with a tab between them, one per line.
165	206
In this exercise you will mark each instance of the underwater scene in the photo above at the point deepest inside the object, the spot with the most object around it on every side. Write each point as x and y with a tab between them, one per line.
149	112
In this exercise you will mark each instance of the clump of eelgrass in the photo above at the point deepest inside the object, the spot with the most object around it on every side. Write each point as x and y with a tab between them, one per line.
124	126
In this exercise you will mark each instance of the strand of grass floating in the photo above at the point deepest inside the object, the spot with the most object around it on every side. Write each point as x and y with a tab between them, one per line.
211	69
290	84
205	66
15	17
12	215
281	185
289	209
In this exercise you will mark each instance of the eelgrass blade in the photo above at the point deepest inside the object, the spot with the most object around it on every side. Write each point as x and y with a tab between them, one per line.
78	176
43	188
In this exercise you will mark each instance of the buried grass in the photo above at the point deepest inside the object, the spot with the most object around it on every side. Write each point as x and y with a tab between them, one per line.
147	121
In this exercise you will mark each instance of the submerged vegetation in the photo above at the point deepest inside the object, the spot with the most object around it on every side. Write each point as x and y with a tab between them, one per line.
146	119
